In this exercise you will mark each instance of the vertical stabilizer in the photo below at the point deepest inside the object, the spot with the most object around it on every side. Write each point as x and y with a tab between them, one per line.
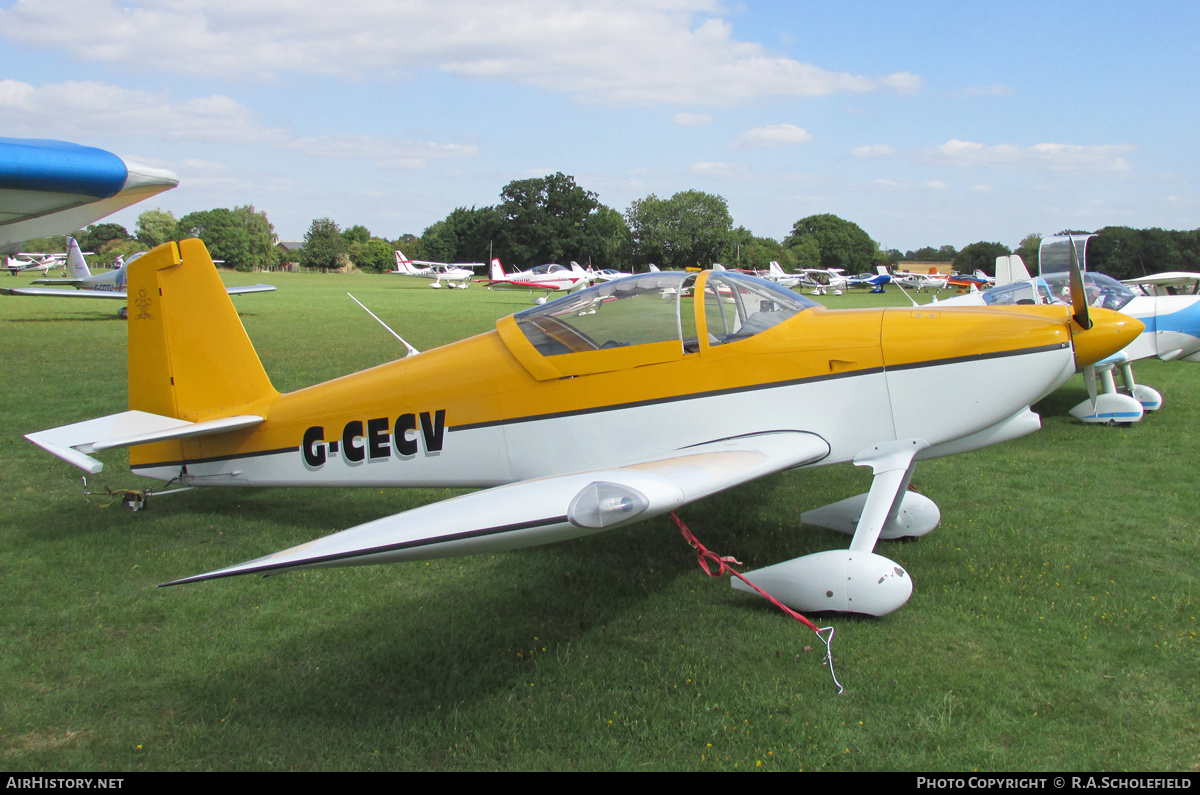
76	265
497	271
189	356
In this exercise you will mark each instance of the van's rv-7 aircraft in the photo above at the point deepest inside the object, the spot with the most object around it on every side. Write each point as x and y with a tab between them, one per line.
612	405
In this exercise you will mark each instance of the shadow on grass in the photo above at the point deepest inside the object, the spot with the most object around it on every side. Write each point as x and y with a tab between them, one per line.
459	632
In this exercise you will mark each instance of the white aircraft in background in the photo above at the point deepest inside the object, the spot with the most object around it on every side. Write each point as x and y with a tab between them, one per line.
51	188
24	262
822	280
102	285
606	275
922	281
1172	324
454	274
1170	283
550	277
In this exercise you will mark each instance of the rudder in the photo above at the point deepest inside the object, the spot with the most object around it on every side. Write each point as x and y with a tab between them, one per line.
189	356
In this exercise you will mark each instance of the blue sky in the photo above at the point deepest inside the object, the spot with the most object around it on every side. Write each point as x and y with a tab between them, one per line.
925	123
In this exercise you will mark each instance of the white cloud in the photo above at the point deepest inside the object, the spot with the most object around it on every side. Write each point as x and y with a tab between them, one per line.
78	109
615	51
903	82
691	119
875	150
773	135
934	184
1108	158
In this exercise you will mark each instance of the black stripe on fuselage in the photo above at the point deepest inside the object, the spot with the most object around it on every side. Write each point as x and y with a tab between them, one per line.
424	542
664	400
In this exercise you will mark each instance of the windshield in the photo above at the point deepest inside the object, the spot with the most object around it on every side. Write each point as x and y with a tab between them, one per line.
657	307
1103	291
1055	288
737	306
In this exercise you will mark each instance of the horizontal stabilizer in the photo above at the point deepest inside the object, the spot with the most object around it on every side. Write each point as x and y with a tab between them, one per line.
72	443
251	288
547	509
62	292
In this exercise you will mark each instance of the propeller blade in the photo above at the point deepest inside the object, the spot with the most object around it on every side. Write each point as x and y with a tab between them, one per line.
1079	304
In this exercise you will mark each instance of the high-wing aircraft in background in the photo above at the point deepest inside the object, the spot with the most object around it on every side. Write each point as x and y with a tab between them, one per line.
1172	324
53	187
612	405
112	284
1171	283
823	280
454	274
24	262
550	277
922	281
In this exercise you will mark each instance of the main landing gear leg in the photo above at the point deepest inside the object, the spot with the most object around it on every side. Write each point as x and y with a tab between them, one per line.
856	580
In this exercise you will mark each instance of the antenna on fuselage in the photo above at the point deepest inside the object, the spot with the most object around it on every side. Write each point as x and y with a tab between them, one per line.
411	349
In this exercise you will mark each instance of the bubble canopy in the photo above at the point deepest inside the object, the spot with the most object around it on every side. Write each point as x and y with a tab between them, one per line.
653	309
1055	288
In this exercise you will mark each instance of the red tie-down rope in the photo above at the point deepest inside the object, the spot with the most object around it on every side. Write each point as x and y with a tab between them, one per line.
704	556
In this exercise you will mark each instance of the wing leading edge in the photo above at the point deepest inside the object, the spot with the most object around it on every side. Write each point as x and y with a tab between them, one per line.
547	509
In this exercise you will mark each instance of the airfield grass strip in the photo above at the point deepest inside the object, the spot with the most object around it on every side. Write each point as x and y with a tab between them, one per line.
1053	624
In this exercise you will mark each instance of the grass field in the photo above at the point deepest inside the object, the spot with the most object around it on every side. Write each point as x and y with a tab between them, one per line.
1053	625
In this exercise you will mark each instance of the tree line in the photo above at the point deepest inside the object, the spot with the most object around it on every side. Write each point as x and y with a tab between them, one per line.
553	219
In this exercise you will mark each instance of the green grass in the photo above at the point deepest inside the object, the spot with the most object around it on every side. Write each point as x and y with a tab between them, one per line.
1053	625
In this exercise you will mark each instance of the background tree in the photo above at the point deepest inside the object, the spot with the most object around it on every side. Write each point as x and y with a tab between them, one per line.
842	244
97	235
242	237
465	235
803	252
690	229
155	227
1028	251
262	238
375	255
357	234
553	219
324	246
980	256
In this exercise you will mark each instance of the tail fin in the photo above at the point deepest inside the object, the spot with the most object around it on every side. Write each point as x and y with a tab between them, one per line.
497	270
76	265
1010	269
775	270
189	356
403	263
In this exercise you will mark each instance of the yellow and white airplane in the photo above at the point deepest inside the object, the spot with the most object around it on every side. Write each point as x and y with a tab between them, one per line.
617	403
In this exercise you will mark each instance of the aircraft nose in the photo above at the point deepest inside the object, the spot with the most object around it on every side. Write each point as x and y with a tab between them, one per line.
1110	332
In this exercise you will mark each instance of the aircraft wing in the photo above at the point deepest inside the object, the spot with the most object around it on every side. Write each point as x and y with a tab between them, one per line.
53	187
547	509
251	288
1170	279
65	293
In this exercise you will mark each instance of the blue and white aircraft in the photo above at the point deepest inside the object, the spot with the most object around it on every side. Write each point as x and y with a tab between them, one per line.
1172	324
52	188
